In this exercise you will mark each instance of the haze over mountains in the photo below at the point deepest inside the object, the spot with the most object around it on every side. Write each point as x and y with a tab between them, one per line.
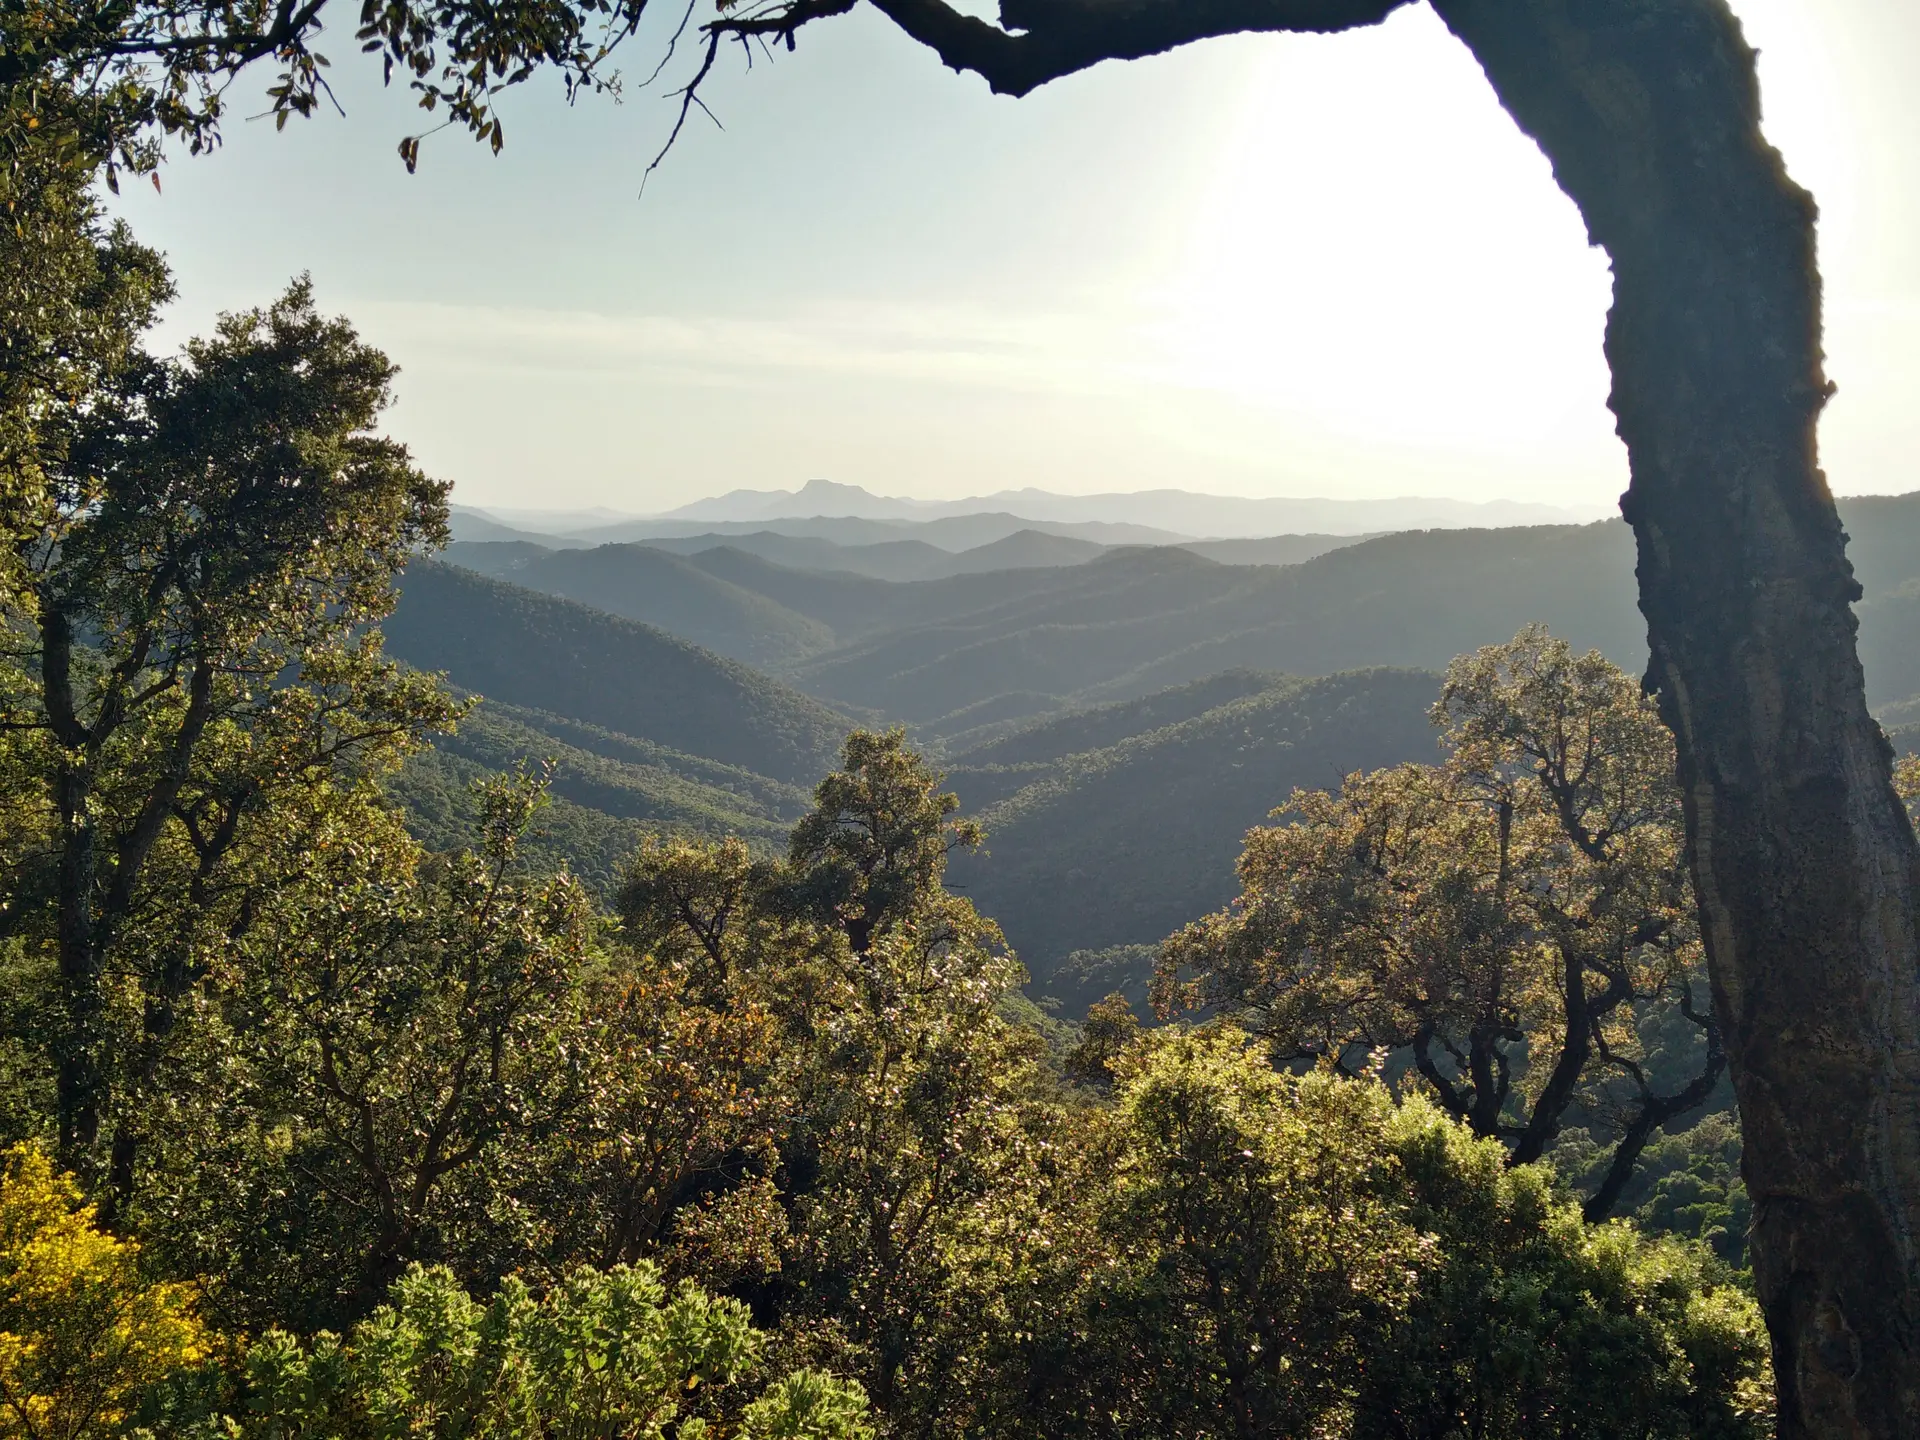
853	515
1177	511
1118	714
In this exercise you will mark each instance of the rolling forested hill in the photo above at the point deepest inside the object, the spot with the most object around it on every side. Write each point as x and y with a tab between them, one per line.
1127	622
880	560
952	533
1103	725
670	592
607	789
1138	621
1119	720
543	653
1126	840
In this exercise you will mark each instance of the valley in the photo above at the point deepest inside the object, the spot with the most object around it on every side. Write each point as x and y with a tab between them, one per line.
1116	715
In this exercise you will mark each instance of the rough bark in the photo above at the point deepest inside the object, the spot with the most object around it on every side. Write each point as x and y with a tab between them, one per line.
1803	861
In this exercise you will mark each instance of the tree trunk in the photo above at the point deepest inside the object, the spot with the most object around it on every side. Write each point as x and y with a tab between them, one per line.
77	1059
1804	862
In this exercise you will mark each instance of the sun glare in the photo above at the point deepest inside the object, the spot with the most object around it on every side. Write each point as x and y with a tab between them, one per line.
1382	256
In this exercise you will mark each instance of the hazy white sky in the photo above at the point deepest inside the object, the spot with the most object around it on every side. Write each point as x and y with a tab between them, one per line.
1265	265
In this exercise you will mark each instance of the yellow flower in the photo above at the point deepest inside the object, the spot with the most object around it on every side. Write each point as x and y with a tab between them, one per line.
81	1334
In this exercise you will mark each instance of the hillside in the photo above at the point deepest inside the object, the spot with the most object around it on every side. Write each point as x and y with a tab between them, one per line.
905	560
897	560
607	789
1022	550
1104	725
1121	720
523	648
498	558
1131	621
855	605
1124	843
881	560
1137	621
1272	550
477	525
671	593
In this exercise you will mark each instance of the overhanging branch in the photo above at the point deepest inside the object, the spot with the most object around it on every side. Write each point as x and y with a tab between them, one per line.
1041	40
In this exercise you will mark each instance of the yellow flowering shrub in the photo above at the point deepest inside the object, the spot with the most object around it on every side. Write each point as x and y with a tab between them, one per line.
81	1333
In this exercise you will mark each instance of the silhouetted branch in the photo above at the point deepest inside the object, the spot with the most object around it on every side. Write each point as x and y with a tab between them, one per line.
1041	40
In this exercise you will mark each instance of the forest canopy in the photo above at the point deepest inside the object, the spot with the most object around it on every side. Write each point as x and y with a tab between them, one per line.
304	1106
762	1140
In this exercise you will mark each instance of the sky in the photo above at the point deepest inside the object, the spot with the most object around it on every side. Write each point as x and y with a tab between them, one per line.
1263	265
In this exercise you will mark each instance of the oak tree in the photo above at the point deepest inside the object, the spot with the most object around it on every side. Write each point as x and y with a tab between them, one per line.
186	653
1804	863
1512	918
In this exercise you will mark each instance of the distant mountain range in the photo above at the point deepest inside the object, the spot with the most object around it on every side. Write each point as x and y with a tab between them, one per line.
853	515
949	533
1180	512
885	560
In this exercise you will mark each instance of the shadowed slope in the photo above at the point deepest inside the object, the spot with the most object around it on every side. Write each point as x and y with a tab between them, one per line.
1124	844
524	648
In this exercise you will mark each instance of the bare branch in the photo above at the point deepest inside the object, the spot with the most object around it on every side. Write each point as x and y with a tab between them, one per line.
1042	40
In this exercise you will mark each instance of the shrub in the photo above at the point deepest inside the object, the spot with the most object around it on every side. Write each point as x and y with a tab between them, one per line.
604	1354
82	1335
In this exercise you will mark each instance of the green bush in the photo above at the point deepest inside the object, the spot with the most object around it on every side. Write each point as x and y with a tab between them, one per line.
604	1354
1260	1253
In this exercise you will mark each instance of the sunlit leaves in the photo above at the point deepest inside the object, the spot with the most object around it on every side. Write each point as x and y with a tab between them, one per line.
82	1332
1509	919
599	1354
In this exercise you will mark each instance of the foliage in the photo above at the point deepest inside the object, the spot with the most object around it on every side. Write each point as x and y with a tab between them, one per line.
75	296
909	1107
397	1051
186	670
1906	783
601	1354
1531	1321
868	859
82	1332
1105	1036
1258	1253
1687	1183
115	76
356	1082
809	1405
1514	917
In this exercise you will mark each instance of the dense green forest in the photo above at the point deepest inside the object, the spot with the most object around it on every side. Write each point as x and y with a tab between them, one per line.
538	652
525	1048
1048	987
1115	808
